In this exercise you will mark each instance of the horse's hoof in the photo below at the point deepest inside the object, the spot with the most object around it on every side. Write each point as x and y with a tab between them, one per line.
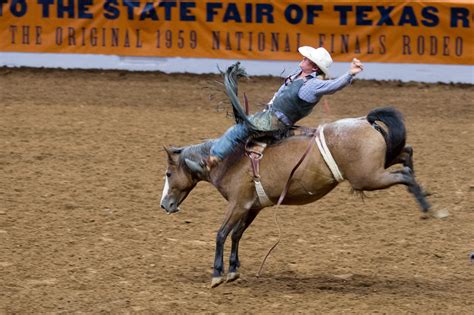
232	276
216	281
425	216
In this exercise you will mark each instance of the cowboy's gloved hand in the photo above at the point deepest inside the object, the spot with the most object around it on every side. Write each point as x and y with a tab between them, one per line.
356	66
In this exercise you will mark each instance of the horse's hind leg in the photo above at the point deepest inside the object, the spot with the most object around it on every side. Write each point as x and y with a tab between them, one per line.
387	179
415	188
405	158
234	262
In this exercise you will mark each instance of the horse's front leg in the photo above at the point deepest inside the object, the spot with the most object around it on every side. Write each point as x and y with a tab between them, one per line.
233	215
234	262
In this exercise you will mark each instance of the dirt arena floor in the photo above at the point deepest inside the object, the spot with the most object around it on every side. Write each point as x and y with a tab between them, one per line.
81	229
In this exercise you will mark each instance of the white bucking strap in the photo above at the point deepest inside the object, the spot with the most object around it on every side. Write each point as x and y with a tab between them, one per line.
327	156
262	196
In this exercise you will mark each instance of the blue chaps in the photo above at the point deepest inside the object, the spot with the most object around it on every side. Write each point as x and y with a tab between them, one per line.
239	133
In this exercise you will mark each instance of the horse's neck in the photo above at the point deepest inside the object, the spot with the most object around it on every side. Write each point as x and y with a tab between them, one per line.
202	151
197	152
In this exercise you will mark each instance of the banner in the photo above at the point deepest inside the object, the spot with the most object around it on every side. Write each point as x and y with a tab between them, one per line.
430	32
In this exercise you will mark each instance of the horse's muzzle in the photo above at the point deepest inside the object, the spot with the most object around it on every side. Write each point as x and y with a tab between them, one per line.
170	206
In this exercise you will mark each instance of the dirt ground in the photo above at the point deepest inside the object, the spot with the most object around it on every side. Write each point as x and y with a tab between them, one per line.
81	229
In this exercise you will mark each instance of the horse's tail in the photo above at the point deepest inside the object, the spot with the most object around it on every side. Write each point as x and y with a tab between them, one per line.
231	76
395	133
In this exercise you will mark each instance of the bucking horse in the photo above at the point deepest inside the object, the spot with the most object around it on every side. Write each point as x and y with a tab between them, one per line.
358	150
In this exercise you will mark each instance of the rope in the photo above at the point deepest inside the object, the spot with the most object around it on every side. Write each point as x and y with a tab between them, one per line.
275	218
280	201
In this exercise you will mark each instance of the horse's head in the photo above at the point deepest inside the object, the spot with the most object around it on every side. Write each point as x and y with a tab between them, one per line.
179	180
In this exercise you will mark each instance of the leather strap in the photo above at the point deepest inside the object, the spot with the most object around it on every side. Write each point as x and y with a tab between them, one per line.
287	185
255	158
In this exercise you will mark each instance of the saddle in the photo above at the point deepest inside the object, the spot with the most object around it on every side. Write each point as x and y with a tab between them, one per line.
255	146
254	150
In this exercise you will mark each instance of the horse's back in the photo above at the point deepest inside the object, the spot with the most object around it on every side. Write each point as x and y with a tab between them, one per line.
354	144
357	147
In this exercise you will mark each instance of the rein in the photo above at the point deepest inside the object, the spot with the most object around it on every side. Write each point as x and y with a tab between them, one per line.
282	197
287	185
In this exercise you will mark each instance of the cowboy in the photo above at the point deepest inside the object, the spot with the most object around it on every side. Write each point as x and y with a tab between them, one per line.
294	100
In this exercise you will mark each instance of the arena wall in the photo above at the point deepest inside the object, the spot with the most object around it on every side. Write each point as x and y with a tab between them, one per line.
375	71
427	41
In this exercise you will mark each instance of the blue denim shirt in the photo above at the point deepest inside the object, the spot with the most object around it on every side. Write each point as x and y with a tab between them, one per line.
312	90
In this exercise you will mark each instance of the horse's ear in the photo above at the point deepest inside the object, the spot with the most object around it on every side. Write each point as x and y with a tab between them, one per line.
194	166
172	153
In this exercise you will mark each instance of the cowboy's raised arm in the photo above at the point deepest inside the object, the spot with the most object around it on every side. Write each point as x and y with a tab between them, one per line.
356	66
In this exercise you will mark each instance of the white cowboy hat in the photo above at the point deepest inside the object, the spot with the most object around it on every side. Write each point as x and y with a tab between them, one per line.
320	56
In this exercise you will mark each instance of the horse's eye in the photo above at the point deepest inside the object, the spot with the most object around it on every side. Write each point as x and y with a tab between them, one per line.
168	174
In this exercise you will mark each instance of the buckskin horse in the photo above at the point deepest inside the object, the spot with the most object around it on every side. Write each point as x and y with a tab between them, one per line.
361	148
